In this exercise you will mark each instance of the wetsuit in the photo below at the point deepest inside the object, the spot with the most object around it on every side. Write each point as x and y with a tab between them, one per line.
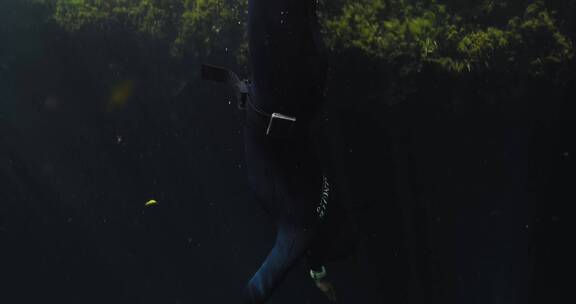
287	74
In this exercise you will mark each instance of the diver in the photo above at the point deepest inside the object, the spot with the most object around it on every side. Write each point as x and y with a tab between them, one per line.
281	99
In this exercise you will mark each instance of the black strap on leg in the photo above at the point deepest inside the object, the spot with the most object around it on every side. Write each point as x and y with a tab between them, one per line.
221	74
275	124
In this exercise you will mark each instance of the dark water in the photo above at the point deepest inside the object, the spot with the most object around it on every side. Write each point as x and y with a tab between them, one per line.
455	202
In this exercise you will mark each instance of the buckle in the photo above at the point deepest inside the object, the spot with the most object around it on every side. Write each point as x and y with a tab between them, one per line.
282	122
242	93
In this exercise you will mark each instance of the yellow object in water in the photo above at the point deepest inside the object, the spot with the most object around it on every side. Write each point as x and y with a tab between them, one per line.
151	202
120	94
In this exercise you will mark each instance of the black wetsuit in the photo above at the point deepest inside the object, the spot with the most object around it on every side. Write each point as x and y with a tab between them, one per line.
288	71
287	57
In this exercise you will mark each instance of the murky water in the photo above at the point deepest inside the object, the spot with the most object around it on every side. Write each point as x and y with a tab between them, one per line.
445	135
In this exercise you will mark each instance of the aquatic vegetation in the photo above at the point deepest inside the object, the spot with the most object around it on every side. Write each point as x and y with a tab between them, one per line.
457	36
534	37
206	25
364	25
459	40
191	27
144	16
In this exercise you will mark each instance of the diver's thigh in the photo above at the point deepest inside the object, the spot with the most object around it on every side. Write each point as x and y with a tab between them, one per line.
290	245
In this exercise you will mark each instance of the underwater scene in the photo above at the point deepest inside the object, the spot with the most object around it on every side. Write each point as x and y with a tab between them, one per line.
287	151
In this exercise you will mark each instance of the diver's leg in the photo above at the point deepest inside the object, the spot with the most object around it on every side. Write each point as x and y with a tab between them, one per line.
291	243
289	184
